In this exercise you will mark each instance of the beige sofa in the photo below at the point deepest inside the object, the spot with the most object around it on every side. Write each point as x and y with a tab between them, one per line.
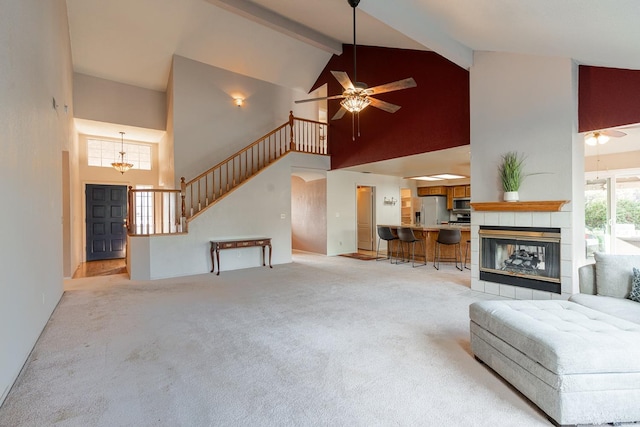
578	360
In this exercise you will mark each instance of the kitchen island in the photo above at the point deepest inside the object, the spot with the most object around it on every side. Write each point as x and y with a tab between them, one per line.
430	234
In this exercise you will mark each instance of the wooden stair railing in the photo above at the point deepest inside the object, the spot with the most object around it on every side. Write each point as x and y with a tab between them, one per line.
159	211
154	211
296	135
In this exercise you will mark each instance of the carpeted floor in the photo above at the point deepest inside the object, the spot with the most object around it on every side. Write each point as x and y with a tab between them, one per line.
324	341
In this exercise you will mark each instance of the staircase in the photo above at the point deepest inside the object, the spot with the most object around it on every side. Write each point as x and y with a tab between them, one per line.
208	188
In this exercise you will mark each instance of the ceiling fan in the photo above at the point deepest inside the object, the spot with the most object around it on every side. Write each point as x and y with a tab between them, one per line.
602	136
357	96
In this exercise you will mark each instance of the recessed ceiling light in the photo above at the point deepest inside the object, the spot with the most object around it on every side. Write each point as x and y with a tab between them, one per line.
448	176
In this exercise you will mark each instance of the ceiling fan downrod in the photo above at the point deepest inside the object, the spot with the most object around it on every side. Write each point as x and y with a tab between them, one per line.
354	4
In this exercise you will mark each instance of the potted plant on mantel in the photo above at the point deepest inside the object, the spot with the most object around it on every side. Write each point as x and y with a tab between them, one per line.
511	175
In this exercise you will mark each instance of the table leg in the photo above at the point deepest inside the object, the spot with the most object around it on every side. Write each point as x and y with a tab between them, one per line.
213	264
263	258
270	250
218	259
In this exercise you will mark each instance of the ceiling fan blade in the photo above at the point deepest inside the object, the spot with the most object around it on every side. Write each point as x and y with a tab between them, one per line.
383	105
339	114
319	99
389	87
343	79
613	133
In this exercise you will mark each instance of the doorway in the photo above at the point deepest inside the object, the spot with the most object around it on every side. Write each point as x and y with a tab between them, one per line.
365	215
106	213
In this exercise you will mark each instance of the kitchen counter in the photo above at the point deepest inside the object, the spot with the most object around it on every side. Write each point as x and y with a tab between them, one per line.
430	234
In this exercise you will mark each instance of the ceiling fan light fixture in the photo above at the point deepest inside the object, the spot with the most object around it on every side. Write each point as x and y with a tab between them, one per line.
596	138
355	103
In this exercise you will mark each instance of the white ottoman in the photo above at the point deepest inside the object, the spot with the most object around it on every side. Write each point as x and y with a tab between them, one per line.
578	365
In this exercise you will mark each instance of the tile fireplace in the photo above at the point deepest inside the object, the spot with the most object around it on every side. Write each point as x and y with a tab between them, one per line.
527	257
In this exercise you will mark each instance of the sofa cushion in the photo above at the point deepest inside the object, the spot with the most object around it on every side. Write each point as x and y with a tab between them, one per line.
618	307
614	274
635	286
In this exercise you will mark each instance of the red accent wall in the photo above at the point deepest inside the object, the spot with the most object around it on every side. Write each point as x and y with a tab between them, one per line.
434	115
607	97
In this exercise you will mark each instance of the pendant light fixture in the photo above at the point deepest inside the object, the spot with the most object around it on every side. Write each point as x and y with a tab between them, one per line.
122	166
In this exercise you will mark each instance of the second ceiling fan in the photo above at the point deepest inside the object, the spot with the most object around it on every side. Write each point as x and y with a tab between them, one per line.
357	95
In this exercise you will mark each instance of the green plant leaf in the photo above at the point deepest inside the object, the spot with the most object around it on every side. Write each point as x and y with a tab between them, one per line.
510	170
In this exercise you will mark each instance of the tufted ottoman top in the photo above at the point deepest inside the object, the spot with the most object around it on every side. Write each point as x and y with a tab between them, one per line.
562	336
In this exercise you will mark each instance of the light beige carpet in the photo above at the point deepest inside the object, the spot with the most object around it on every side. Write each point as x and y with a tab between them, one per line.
324	341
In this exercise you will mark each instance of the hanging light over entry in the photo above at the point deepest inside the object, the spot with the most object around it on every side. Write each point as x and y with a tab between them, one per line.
122	166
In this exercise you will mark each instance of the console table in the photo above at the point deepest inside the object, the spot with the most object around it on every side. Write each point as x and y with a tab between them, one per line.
218	245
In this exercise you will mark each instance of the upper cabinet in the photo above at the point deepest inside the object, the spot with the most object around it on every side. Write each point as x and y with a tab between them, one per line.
450	198
451	191
438	190
459	191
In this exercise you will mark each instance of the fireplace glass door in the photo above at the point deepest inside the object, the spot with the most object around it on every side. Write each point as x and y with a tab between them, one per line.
521	256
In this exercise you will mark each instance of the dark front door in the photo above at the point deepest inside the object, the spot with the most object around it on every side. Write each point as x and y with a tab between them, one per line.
106	214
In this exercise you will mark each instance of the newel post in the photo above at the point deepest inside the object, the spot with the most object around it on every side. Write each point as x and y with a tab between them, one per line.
130	212
292	143
183	192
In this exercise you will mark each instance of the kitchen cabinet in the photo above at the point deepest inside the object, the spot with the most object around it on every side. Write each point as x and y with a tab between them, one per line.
438	190
467	191
449	198
459	191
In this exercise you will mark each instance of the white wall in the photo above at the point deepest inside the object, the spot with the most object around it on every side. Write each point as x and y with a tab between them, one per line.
112	102
255	209
208	127
527	104
341	206
35	67
166	178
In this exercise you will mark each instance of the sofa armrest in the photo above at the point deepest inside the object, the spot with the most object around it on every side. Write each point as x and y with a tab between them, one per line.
587	279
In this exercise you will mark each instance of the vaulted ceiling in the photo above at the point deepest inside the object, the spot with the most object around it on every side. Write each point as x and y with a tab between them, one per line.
288	42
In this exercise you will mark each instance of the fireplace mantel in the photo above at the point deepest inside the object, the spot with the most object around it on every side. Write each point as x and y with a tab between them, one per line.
532	206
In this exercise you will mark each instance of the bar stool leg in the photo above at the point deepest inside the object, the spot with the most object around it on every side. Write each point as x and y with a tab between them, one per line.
467	255
424	251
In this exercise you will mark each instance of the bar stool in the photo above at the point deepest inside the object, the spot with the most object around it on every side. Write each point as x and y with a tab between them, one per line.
406	236
467	255
448	237
385	233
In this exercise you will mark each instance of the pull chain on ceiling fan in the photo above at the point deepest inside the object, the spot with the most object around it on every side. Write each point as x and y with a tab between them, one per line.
357	96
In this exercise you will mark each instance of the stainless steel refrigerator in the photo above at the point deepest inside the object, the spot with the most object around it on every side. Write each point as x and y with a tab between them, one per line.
433	210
